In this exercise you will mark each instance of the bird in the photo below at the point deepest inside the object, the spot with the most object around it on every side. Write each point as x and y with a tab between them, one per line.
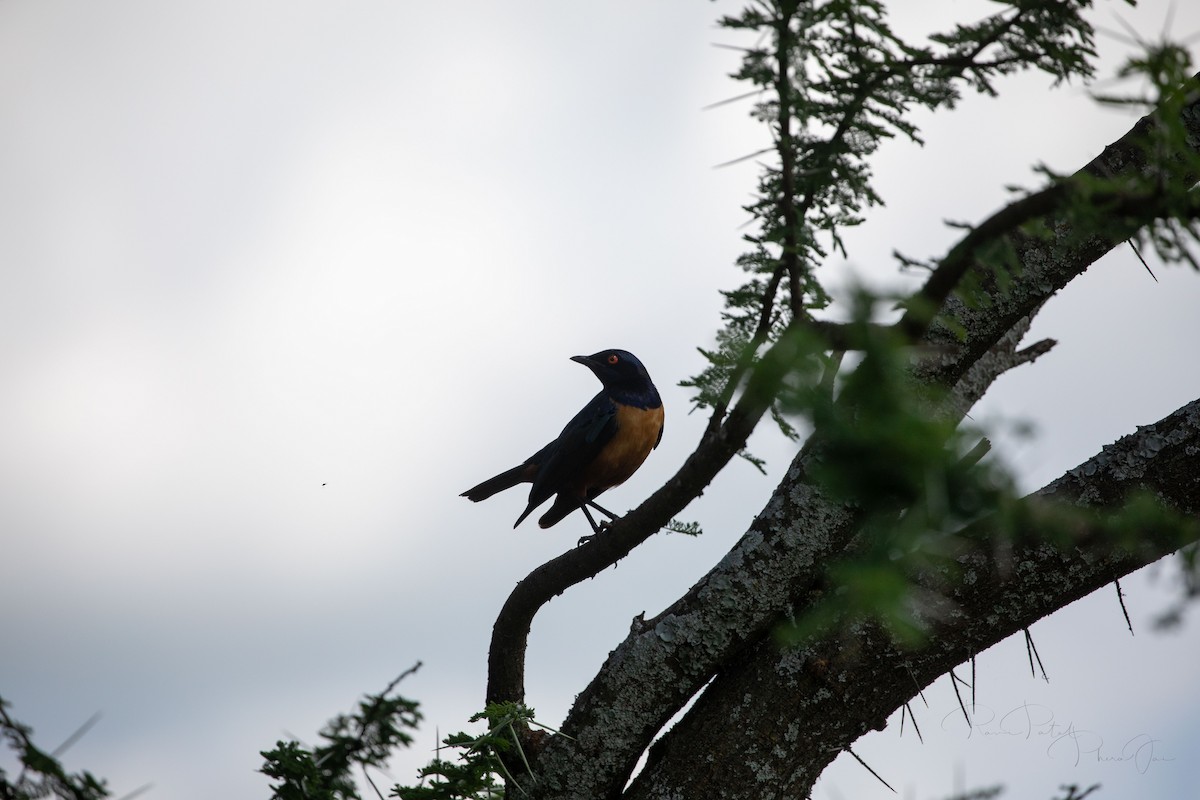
599	448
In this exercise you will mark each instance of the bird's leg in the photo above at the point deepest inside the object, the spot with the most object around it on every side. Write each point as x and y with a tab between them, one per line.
604	523
583	506
602	510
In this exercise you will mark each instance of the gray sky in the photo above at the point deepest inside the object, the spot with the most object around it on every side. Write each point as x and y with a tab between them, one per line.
283	278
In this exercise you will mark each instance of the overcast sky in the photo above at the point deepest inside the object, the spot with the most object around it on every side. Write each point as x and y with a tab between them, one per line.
281	279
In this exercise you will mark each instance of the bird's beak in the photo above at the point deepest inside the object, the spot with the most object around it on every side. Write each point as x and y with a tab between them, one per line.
587	362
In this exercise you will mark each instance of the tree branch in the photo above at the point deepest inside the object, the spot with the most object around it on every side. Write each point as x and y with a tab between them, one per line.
1047	265
829	693
660	666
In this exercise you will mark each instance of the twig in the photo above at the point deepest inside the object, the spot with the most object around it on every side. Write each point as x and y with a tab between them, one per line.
367	775
973	457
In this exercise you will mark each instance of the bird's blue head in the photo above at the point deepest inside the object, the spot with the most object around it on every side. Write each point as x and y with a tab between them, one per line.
623	376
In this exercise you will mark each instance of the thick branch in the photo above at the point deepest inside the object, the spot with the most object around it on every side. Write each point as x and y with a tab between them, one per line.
659	667
826	695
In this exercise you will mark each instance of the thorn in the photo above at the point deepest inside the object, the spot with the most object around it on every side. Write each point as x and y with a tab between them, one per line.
729	100
954	681
920	691
138	792
76	736
972	681
746	157
1124	610
1031	648
873	772
911	716
1137	253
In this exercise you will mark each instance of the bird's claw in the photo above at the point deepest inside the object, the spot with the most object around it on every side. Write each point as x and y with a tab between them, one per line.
599	528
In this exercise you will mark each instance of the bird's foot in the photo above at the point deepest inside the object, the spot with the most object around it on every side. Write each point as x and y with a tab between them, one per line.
599	528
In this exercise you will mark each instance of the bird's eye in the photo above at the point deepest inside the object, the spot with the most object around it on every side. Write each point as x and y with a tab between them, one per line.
612	359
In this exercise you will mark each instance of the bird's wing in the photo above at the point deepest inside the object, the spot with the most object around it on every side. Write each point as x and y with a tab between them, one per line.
577	446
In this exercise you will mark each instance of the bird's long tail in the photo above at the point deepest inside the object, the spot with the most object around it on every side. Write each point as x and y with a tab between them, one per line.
505	480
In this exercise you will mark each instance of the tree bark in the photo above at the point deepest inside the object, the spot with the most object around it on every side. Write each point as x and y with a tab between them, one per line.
828	693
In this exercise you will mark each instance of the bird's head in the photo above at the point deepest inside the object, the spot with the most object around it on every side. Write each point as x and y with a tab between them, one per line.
623	376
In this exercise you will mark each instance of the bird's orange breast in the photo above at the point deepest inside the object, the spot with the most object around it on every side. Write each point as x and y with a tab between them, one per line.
638	431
